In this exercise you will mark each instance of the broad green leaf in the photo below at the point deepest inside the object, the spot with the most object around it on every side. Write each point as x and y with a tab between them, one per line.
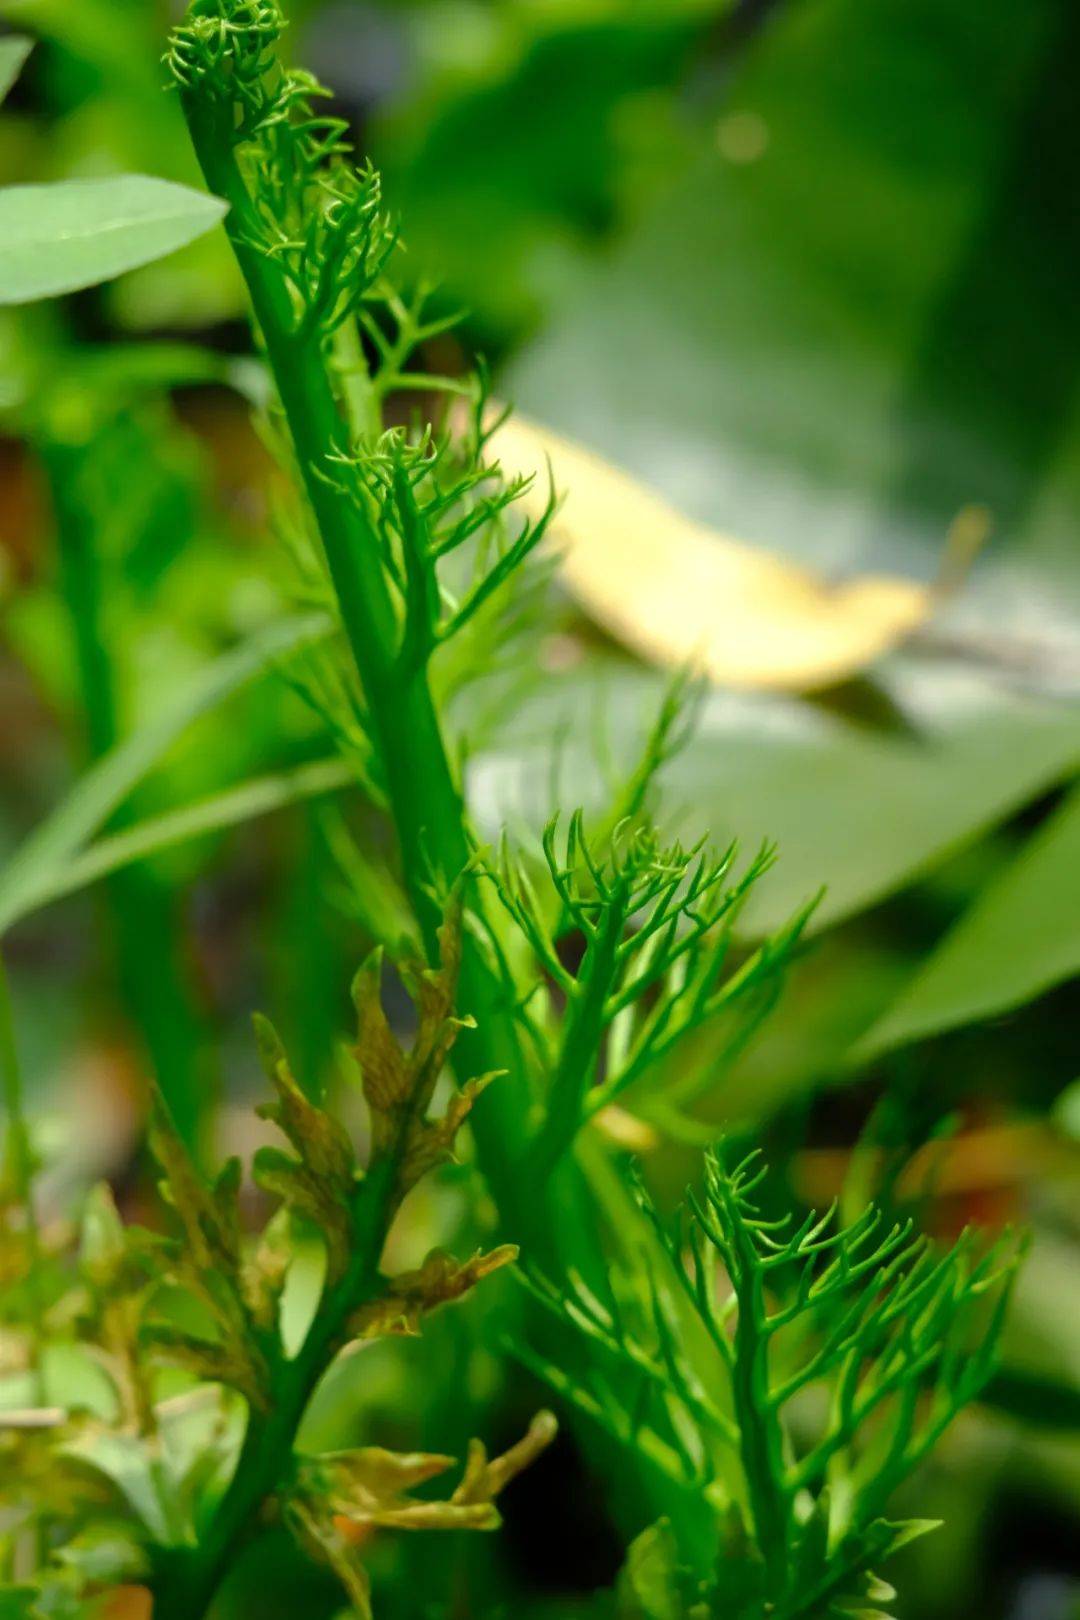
849	323
130	126
35	866
861	811
75	233
13	53
847	336
1017	940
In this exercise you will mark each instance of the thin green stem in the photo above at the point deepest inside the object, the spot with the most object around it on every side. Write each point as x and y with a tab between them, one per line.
760	1433
582	1037
155	986
20	1161
20	1157
425	800
190	1577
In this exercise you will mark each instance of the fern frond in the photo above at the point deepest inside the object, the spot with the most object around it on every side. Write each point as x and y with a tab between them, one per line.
896	1336
657	923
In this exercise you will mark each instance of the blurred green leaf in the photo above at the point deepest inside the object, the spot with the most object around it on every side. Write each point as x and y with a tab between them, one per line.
145	1482
541	127
57	238
649	1587
865	811
1045	1403
234	807
856	314
13	53
34	867
1041	1346
1017	940
17	1602
114	35
1066	1111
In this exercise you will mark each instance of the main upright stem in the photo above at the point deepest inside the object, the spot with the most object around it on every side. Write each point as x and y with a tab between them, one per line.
556	1218
425	801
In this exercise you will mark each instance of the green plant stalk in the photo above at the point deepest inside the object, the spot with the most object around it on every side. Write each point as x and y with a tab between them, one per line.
20	1160
582	1036
760	1438
425	801
557	1221
19	1156
187	1578
153	982
426	804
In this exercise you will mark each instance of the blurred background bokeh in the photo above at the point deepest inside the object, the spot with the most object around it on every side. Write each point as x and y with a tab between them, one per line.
809	269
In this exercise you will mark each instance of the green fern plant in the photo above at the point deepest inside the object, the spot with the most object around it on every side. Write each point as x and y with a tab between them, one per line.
410	539
415	536
656	924
774	1381
839	1356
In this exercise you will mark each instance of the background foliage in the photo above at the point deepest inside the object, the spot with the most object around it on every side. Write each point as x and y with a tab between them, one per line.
807	269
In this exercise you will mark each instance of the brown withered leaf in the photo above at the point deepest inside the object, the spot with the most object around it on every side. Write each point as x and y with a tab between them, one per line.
370	1481
210	1262
430	1142
119	1267
398	1085
265	1271
38	1476
13	1256
320	1139
103	1247
352	1493
208	1214
415	1294
384	1072
319	1182
340	1499
299	1188
234	1361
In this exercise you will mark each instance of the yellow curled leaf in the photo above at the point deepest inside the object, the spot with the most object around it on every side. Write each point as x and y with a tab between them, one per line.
486	1477
678	592
341	1497
414	1294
